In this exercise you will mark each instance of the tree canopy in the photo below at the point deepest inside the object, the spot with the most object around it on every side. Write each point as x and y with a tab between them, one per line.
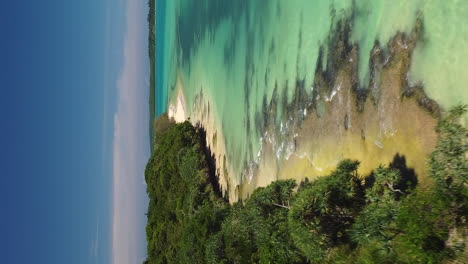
342	217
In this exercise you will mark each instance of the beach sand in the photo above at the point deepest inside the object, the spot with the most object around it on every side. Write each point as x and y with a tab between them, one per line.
393	128
176	110
390	127
202	116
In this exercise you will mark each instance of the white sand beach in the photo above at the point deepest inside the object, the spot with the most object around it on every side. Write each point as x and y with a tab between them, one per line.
177	110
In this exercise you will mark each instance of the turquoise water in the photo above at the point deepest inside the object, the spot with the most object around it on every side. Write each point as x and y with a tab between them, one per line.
239	52
161	93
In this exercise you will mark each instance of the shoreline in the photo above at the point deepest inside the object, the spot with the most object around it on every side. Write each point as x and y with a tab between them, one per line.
177	110
390	122
203	117
377	125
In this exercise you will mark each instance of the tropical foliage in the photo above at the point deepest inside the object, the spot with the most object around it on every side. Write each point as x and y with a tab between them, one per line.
339	218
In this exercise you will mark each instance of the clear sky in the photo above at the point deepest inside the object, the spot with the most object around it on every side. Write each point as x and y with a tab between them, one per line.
73	131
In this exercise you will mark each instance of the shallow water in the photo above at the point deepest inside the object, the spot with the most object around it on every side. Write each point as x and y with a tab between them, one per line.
238	52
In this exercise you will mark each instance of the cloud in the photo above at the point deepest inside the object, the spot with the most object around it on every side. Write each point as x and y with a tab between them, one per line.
131	141
95	243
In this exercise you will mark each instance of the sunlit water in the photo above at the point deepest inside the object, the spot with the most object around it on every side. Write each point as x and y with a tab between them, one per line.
237	52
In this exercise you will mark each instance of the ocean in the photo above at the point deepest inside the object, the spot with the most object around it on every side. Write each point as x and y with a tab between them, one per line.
242	54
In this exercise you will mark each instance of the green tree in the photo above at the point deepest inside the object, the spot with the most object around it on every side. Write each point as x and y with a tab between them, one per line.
375	227
333	219
183	211
257	231
428	216
448	163
374	223
323	212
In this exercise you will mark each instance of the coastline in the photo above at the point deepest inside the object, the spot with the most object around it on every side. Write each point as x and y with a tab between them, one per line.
177	110
202	116
392	123
383	127
301	131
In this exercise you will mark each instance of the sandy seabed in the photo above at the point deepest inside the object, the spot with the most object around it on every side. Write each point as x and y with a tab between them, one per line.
385	128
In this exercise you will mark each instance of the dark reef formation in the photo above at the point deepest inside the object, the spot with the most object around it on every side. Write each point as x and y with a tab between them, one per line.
384	112
343	55
338	116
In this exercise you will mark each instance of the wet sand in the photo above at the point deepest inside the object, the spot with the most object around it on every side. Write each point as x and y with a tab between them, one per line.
176	110
396	121
390	120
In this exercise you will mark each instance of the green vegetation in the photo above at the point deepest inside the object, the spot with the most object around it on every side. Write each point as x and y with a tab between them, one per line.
184	210
339	218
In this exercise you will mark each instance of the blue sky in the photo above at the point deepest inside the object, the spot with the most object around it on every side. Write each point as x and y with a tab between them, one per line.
73	131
